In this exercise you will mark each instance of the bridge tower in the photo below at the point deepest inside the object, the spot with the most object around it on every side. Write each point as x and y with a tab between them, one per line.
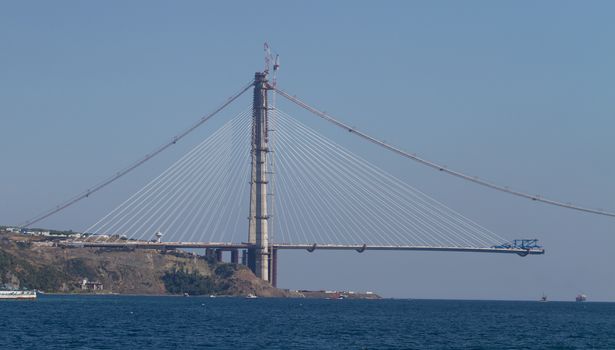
258	253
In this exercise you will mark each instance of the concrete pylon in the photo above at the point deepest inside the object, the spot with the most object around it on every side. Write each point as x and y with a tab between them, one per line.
258	254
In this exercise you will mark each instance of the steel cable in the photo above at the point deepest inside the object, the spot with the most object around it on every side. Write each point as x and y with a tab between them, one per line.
437	166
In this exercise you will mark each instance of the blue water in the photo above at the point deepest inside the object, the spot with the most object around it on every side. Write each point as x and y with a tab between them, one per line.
137	322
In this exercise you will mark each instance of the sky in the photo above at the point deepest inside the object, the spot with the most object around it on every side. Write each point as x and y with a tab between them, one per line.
517	92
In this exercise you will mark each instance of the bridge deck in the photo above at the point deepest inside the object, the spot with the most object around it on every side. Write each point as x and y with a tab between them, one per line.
309	247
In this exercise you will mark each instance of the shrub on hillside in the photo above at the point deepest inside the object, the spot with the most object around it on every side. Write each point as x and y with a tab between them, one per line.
181	281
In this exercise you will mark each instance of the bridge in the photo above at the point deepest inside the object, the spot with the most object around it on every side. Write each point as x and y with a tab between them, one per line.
298	190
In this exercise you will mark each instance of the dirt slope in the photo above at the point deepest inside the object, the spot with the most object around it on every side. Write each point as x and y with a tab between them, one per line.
35	263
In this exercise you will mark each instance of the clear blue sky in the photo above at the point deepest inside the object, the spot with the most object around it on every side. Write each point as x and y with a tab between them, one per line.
518	92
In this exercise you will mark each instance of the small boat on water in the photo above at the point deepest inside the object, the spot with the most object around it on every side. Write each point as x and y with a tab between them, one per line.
336	296
18	294
543	298
581	297
251	296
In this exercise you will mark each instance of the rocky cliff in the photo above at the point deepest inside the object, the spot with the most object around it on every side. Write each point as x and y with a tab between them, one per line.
37	263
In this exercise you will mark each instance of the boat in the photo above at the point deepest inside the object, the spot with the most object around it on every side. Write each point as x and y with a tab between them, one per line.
18	294
543	298
251	296
336	296
581	297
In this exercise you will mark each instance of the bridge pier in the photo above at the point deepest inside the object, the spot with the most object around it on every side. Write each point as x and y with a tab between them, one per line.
244	257
273	267
218	255
251	256
234	256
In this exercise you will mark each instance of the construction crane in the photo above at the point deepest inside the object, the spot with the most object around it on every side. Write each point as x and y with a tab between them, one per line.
269	58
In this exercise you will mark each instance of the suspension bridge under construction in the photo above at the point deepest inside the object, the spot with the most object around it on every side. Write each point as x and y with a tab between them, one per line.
297	189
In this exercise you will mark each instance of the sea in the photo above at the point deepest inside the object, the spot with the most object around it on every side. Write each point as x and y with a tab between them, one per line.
159	322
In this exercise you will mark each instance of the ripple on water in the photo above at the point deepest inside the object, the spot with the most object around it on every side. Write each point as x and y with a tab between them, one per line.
139	322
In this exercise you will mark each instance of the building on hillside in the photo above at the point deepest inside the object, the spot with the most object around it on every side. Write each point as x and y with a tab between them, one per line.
91	285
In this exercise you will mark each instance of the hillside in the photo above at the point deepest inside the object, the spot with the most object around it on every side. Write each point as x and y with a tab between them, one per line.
36	263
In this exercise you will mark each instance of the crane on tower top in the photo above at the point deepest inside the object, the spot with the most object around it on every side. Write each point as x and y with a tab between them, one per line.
269	58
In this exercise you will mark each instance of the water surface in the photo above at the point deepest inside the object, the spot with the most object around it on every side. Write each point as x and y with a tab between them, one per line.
142	322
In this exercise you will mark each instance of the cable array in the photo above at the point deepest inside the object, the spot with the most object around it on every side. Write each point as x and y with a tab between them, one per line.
439	167
326	194
323	194
202	197
99	186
